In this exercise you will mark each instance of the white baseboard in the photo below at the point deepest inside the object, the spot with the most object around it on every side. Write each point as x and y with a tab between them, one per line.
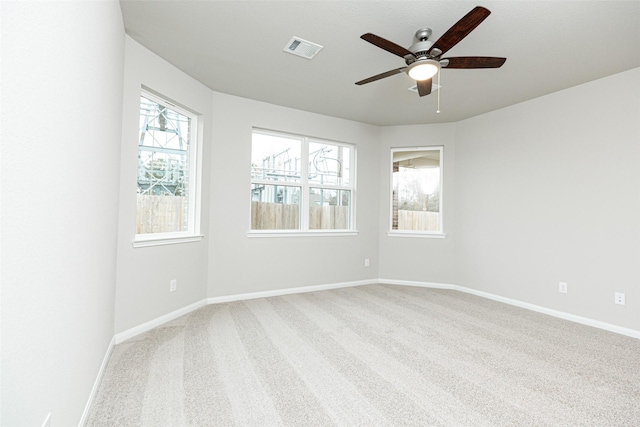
288	291
540	309
96	384
147	326
419	284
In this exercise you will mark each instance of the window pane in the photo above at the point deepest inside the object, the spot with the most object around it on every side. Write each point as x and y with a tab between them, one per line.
329	164
275	207
163	169
298	183
275	158
329	209
416	190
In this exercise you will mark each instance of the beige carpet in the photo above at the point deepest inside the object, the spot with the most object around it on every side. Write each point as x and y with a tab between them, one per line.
374	355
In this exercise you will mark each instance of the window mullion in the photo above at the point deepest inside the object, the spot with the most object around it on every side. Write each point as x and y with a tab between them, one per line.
331	186
352	188
278	183
304	181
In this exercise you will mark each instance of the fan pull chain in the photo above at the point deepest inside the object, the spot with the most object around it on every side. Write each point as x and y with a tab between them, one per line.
439	89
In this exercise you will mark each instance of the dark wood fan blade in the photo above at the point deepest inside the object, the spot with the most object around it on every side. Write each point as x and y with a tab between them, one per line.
461	29
386	45
424	87
381	76
475	62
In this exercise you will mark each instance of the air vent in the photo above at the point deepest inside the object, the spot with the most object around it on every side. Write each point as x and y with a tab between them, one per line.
434	87
303	48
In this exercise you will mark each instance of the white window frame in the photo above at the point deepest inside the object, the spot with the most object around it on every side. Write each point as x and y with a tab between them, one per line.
440	234
192	234
305	186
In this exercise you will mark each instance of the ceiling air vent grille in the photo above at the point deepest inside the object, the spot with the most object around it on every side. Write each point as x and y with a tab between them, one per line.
303	48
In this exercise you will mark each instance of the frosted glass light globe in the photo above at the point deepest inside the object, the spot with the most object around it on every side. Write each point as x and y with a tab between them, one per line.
423	70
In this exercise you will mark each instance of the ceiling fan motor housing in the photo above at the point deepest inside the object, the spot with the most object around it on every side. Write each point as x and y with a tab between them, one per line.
421	48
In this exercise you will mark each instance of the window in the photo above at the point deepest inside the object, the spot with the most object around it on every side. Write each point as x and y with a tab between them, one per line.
416	199
289	193
166	193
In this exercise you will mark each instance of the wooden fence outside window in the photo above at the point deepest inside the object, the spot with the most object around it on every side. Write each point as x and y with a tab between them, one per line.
158	214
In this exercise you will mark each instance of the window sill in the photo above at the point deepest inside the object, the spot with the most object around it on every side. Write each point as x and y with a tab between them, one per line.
297	233
143	242
416	234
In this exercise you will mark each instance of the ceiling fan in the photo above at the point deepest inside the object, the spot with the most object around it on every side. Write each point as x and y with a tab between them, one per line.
424	57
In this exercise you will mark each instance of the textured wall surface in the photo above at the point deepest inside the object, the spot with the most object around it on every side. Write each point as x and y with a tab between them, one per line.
62	66
548	191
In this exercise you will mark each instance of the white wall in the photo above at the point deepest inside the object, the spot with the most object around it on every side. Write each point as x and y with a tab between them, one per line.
537	193
239	264
548	191
62	68
411	258
498	241
143	274
227	262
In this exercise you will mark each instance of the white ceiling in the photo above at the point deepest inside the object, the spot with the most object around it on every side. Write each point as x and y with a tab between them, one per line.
236	47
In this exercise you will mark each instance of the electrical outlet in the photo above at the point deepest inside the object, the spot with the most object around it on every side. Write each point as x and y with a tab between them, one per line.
366	262
562	287
619	298
173	285
47	421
